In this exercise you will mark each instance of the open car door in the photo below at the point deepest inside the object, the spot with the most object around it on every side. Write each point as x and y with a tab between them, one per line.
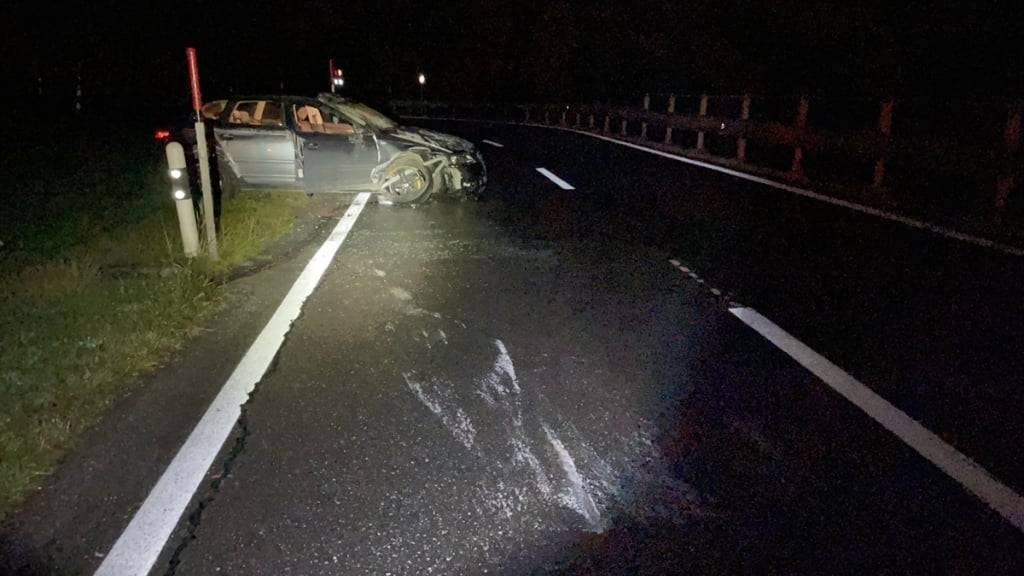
337	154
253	141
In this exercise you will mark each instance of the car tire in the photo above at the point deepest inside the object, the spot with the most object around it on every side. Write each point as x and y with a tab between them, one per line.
415	181
228	181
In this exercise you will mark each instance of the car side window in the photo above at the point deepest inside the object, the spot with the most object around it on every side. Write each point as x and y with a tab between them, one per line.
244	113
213	110
272	114
266	113
311	119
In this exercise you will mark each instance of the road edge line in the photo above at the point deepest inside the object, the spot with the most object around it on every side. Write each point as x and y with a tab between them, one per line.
139	546
955	464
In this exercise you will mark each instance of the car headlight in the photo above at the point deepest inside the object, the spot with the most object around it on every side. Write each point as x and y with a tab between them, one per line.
463	159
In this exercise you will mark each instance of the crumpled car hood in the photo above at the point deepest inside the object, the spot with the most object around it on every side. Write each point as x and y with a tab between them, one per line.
436	140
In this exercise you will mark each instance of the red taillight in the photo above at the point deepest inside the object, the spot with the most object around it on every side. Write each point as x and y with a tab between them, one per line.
162	134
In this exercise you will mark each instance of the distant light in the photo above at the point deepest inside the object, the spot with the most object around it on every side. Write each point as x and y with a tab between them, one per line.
179	194
162	134
175	173
422	79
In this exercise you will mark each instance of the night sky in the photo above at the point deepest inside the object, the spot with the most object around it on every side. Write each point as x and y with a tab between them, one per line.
513	51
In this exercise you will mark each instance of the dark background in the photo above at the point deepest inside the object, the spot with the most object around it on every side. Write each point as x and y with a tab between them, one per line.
130	54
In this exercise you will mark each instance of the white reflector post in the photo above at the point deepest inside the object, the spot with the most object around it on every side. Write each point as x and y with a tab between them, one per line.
177	170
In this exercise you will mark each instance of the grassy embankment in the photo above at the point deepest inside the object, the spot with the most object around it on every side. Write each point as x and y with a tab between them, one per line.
93	287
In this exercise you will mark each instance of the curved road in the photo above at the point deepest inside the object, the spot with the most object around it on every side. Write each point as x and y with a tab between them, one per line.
551	381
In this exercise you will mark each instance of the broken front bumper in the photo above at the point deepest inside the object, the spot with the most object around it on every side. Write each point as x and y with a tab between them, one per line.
466	173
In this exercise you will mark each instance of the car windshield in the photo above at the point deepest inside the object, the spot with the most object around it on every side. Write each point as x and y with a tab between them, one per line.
365	115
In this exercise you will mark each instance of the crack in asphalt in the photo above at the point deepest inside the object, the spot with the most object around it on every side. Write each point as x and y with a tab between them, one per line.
195	518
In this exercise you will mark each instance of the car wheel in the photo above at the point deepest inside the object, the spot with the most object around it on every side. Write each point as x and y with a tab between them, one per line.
228	181
406	180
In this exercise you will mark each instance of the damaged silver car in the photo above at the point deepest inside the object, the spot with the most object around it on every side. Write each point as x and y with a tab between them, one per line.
334	144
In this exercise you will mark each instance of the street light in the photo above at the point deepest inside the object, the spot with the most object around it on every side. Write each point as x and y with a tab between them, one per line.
422	79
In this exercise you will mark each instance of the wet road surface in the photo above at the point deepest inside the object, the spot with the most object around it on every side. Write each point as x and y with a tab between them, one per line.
528	385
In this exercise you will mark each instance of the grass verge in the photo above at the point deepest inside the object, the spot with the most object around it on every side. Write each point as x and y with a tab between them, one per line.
82	319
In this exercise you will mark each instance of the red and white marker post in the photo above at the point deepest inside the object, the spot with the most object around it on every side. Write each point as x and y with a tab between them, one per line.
204	155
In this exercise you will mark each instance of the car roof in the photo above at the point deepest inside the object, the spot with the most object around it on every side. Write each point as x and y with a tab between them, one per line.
240	97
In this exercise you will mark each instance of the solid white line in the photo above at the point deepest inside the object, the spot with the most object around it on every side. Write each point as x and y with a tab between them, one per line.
493	143
140	544
970	475
906	221
558	181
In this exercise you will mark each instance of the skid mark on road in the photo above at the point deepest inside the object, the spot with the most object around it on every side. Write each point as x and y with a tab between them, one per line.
577	498
436	397
527	466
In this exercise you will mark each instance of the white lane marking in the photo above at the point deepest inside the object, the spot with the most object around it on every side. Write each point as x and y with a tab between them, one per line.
906	221
493	143
139	546
558	181
970	475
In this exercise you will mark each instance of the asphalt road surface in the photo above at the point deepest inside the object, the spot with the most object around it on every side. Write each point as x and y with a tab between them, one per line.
550	381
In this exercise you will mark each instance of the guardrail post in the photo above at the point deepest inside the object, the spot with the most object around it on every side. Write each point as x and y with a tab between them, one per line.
885	127
671	110
563	122
622	129
527	115
607	123
801	123
1011	145
577	119
643	125
590	122
702	112
741	142
546	117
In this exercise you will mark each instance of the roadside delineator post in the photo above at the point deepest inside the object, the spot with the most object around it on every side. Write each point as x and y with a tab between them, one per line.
801	124
204	155
741	142
885	129
643	125
702	111
1007	179
177	171
671	110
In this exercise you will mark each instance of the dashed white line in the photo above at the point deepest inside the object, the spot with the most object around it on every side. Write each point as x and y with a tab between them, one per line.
957	466
558	181
493	143
140	544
